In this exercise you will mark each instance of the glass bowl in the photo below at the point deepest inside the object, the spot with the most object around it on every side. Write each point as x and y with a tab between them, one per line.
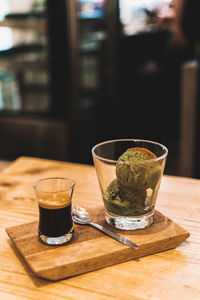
129	185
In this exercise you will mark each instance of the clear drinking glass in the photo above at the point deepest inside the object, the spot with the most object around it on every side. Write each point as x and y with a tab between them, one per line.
54	197
129	187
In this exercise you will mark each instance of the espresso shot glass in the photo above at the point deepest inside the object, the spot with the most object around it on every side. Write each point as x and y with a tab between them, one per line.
54	197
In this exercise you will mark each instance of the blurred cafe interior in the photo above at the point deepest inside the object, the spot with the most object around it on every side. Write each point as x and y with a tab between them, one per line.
74	73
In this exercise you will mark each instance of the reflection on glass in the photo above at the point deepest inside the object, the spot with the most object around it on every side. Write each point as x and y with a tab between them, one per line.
4	9
91	8
6	38
24	80
9	92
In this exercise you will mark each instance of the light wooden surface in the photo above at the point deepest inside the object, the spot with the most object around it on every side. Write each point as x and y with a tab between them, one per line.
172	274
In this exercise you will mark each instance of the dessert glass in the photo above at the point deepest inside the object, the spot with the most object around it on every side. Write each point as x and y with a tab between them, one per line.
129	188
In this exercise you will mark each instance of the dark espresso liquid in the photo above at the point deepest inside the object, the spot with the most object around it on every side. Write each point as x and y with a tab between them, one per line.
55	222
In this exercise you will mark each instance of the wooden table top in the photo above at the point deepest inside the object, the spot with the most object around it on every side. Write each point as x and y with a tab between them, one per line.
173	274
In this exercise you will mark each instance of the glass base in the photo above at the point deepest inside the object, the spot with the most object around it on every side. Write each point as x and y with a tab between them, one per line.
129	223
59	240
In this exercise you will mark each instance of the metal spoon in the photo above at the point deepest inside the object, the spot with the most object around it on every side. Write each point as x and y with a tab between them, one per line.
82	217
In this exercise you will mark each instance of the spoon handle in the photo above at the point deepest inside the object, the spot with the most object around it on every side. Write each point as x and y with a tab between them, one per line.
115	236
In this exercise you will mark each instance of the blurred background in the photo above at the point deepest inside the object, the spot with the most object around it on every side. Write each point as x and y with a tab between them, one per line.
77	72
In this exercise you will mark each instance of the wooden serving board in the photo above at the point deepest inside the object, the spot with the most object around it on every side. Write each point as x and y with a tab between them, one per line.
90	249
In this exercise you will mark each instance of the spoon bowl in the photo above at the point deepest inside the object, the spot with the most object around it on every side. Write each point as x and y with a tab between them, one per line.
80	215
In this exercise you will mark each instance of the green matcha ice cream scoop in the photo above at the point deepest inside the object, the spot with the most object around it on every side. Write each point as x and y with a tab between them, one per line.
133	166
137	175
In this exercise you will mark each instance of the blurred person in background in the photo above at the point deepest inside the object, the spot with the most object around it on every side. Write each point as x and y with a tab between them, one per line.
185	27
182	20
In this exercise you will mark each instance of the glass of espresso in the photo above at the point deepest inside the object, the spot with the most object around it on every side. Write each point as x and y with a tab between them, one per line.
54	197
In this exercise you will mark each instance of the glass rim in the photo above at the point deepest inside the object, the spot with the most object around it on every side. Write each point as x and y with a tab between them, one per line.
54	178
131	140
